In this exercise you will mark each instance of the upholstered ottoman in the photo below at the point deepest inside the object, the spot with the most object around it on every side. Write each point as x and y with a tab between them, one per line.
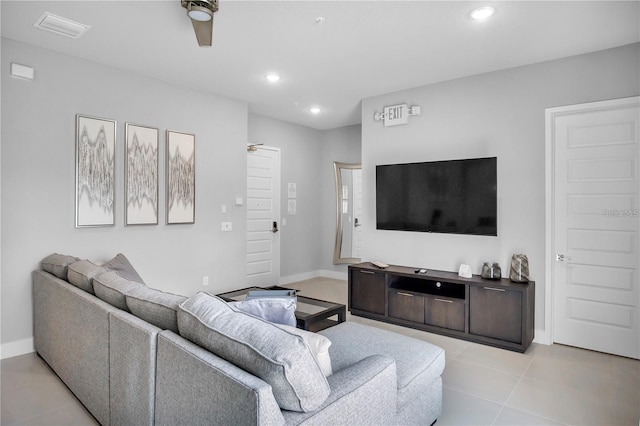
419	366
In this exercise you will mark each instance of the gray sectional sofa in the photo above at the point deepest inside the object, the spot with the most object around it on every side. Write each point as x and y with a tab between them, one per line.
134	355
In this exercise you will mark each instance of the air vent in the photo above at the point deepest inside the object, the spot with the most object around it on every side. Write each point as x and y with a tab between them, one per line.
61	26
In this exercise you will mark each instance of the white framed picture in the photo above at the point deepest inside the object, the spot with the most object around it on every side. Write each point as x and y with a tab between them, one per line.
181	177
95	171
141	175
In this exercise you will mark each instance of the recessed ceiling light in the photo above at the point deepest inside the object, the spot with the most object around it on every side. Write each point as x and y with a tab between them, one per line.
314	110
272	77
320	20
482	13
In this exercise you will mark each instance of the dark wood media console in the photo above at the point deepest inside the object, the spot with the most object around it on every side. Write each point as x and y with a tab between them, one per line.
493	312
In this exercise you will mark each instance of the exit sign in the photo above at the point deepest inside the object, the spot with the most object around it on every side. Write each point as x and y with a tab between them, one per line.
396	114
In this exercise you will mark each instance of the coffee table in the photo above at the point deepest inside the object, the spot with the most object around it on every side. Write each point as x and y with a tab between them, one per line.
311	314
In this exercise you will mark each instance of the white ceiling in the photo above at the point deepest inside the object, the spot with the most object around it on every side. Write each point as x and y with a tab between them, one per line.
363	49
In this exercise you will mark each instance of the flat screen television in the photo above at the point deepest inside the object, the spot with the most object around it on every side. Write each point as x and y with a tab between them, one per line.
454	197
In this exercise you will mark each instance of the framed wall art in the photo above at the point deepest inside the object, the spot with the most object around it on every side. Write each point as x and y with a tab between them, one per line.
95	171
181	177
141	175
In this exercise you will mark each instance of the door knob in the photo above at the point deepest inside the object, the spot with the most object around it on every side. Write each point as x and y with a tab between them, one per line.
275	227
357	223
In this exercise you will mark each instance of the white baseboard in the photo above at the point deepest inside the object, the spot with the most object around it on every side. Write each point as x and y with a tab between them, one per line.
20	347
313	274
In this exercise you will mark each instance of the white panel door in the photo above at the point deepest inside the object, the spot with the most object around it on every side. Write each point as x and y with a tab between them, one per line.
263	216
596	296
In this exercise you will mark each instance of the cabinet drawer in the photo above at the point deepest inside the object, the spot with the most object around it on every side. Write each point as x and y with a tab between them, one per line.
444	313
367	291
406	306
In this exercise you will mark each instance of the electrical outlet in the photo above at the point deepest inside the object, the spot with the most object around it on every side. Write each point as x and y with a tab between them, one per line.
205	280
226	227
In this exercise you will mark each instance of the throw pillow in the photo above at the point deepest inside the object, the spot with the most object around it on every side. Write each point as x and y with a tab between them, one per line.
277	310
278	357
155	306
57	264
113	288
81	274
122	265
318	344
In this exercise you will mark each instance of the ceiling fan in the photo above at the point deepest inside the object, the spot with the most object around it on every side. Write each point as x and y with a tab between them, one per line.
201	14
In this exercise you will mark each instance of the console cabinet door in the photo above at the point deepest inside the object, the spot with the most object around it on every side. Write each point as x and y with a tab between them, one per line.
367	291
445	313
495	312
406	306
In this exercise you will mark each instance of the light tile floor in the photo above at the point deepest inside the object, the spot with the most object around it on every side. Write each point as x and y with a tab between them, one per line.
548	385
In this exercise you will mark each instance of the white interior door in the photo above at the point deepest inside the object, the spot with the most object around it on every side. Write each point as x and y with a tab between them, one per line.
263	216
596	296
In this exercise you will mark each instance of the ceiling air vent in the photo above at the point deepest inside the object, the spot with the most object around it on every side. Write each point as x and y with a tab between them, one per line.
61	26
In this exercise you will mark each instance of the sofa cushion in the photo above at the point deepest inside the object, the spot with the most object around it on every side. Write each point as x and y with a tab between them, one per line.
155	306
278	357
277	310
57	264
318	344
82	273
113	288
418	363
121	264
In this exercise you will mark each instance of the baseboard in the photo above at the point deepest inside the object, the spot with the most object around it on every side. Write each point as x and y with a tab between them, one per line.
313	274
20	347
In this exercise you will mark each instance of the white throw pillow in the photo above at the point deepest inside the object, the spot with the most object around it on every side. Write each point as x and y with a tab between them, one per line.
318	344
276	310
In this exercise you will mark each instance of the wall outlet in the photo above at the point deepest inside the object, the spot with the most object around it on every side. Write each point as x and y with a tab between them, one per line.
205	280
226	227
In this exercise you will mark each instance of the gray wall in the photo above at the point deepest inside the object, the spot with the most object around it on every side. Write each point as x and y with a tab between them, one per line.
495	114
38	172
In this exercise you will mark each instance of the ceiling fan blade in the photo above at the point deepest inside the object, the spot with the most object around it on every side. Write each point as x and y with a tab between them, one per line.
204	31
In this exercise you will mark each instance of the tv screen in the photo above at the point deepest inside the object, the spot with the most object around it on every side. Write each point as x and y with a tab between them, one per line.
456	197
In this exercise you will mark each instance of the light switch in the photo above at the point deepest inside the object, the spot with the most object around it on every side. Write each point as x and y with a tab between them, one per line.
223	209
239	201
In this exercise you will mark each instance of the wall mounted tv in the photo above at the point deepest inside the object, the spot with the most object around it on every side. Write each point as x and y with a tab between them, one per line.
455	197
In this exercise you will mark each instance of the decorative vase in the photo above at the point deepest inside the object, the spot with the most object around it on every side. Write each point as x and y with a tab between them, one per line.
492	272
485	270
519	268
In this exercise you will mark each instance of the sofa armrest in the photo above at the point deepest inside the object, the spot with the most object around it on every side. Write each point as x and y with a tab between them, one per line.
197	387
132	372
364	393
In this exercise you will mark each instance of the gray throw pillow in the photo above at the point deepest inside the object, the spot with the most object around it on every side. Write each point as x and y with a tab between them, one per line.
280	358
113	289
81	274
122	265
155	307
57	264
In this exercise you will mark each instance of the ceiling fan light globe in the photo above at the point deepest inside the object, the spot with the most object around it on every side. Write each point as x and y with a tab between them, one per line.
199	14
